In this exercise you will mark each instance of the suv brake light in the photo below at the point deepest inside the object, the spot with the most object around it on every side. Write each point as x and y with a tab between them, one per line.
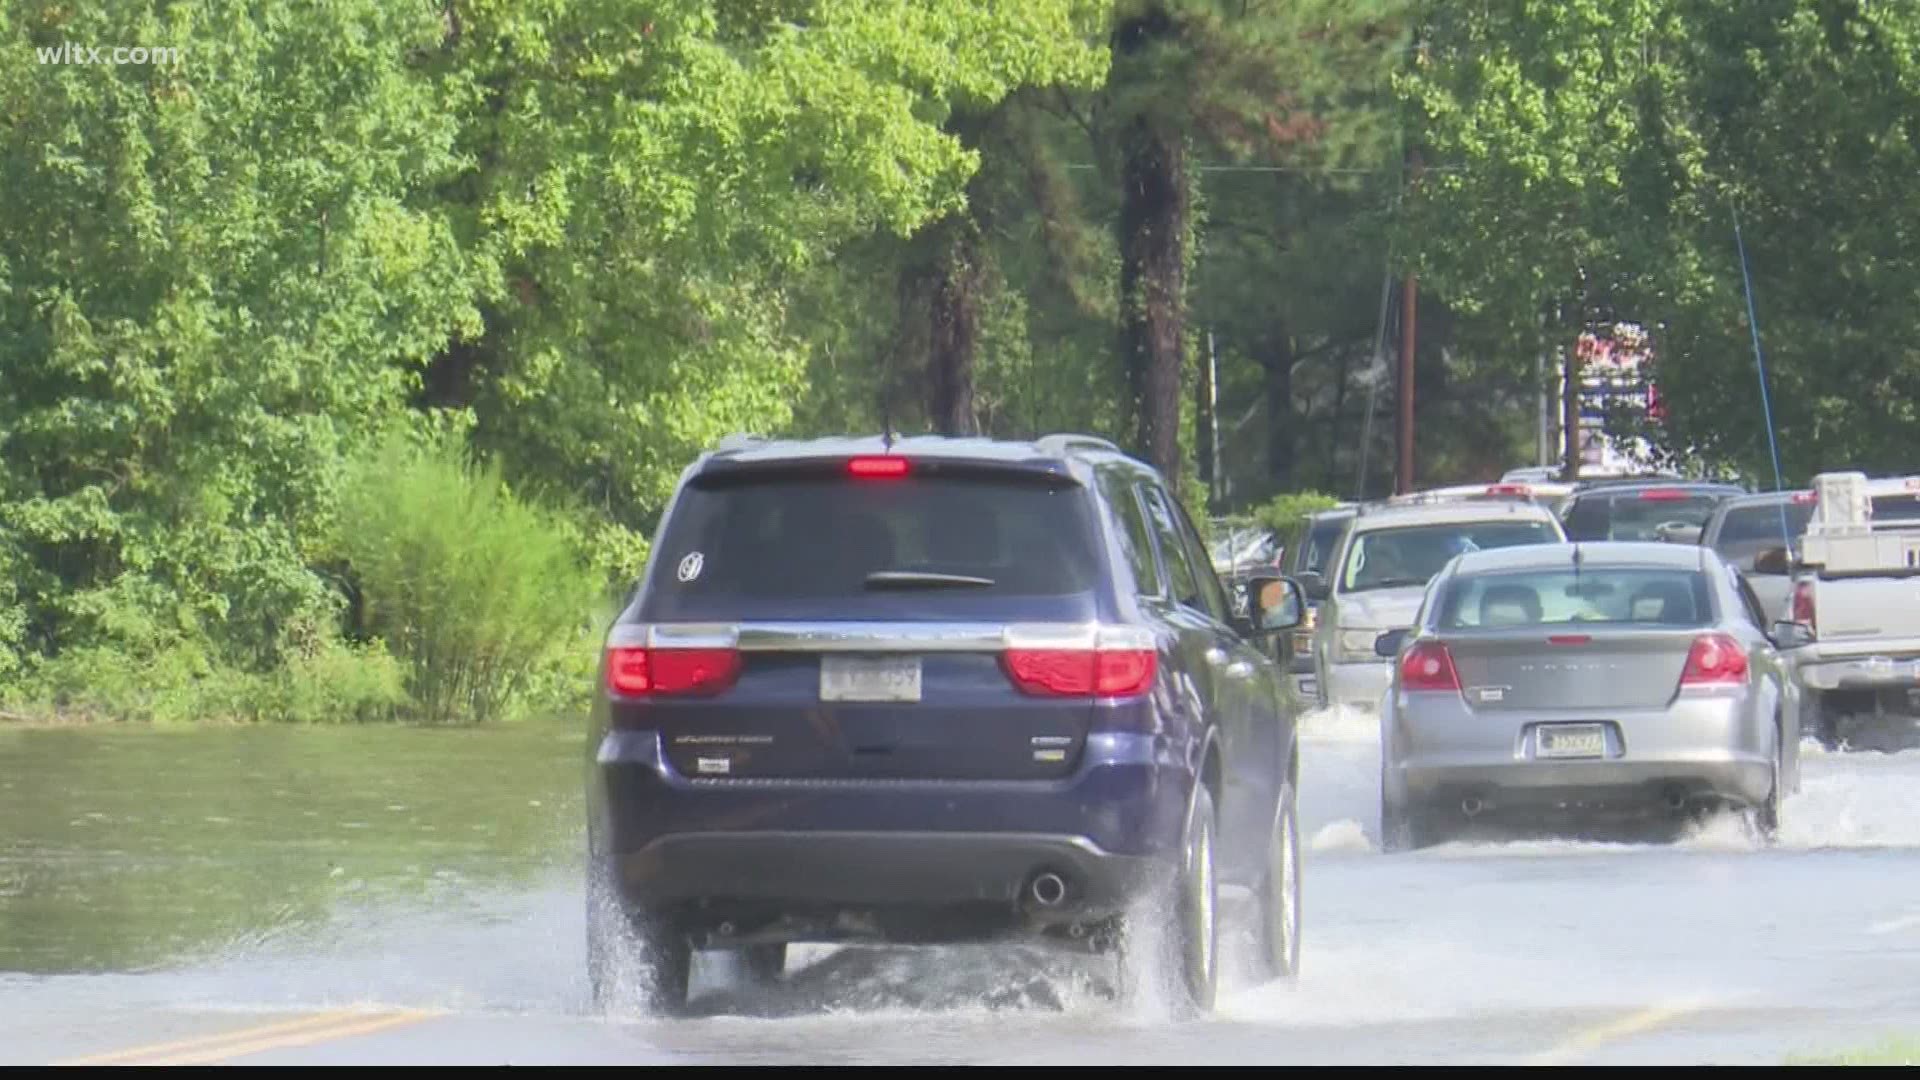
1664	495
1428	666
874	468
1715	660
645	672
1081	672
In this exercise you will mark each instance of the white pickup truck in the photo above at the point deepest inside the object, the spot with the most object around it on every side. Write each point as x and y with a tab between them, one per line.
1853	634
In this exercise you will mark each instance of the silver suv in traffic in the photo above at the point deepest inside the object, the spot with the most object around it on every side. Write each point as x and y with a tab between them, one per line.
1378	575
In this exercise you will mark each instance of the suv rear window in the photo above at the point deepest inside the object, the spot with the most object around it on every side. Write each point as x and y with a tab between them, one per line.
1637	515
806	548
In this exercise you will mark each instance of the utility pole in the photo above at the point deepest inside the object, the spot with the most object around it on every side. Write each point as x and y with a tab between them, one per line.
1409	324
1409	300
1570	414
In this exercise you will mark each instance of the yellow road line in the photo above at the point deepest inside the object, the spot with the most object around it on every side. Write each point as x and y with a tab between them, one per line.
254	1032
298	1032
1593	1038
366	1026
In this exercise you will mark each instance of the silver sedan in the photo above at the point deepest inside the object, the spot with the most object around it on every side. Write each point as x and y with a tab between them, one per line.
1588	678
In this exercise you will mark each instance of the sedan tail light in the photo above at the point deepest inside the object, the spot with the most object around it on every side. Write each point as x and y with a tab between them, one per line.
1715	660
647	672
1428	666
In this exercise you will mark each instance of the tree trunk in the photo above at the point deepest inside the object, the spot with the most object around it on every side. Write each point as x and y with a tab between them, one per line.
1153	236
1277	360
954	328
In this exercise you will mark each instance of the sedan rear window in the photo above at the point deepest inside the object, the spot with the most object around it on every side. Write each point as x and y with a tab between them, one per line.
835	547
1627	596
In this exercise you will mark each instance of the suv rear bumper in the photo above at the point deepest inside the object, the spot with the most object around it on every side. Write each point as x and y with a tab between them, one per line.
803	869
1105	830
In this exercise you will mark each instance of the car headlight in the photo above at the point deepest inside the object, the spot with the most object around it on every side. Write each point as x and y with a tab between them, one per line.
1356	646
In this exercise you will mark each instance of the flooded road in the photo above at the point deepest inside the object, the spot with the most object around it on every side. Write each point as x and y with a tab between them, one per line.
281	895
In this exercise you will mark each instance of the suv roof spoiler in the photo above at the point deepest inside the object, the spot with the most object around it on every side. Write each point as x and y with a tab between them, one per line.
1065	443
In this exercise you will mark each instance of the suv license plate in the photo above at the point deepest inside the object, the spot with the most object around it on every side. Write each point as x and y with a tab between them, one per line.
1571	741
861	678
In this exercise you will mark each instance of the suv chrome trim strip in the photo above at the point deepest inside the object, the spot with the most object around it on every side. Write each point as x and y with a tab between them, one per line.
914	637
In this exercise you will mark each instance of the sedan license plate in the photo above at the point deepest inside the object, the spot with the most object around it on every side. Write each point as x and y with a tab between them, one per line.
863	678
1571	741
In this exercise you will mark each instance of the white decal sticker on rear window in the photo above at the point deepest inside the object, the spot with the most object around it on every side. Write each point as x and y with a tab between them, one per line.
690	566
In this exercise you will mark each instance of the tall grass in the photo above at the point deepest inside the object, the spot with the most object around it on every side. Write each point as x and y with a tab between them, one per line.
478	593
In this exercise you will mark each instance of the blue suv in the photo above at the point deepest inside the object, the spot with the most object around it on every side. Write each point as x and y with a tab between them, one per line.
933	690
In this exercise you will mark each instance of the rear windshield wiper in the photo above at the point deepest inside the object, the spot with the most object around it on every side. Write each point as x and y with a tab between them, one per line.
1392	583
915	579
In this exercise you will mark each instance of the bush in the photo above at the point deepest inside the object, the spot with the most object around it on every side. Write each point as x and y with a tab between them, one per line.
340	684
475	591
1282	513
182	683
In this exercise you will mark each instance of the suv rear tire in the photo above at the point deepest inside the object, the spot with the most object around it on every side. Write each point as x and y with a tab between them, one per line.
1173	940
626	948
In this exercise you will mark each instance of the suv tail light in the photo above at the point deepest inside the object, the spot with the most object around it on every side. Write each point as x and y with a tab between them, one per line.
1081	672
1715	660
646	672
1428	666
1803	605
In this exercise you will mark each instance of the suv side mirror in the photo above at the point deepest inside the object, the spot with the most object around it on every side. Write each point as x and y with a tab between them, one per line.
1791	635
1774	560
1275	603
1312	584
1388	644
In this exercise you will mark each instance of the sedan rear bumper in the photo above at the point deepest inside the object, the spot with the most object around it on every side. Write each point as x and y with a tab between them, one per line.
1641	781
1698	747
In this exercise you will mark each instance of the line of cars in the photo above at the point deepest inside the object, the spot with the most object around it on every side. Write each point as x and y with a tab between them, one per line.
1631	644
930	690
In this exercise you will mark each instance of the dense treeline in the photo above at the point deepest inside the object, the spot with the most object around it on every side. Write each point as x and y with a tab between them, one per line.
347	359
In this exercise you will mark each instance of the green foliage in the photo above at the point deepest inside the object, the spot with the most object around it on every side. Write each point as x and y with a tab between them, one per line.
572	232
1591	158
474	590
1283	513
180	684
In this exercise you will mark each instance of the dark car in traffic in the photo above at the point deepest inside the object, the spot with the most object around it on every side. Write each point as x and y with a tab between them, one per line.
936	690
1644	510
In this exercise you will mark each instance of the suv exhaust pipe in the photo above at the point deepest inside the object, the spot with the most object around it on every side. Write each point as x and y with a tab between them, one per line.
1471	806
1048	890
